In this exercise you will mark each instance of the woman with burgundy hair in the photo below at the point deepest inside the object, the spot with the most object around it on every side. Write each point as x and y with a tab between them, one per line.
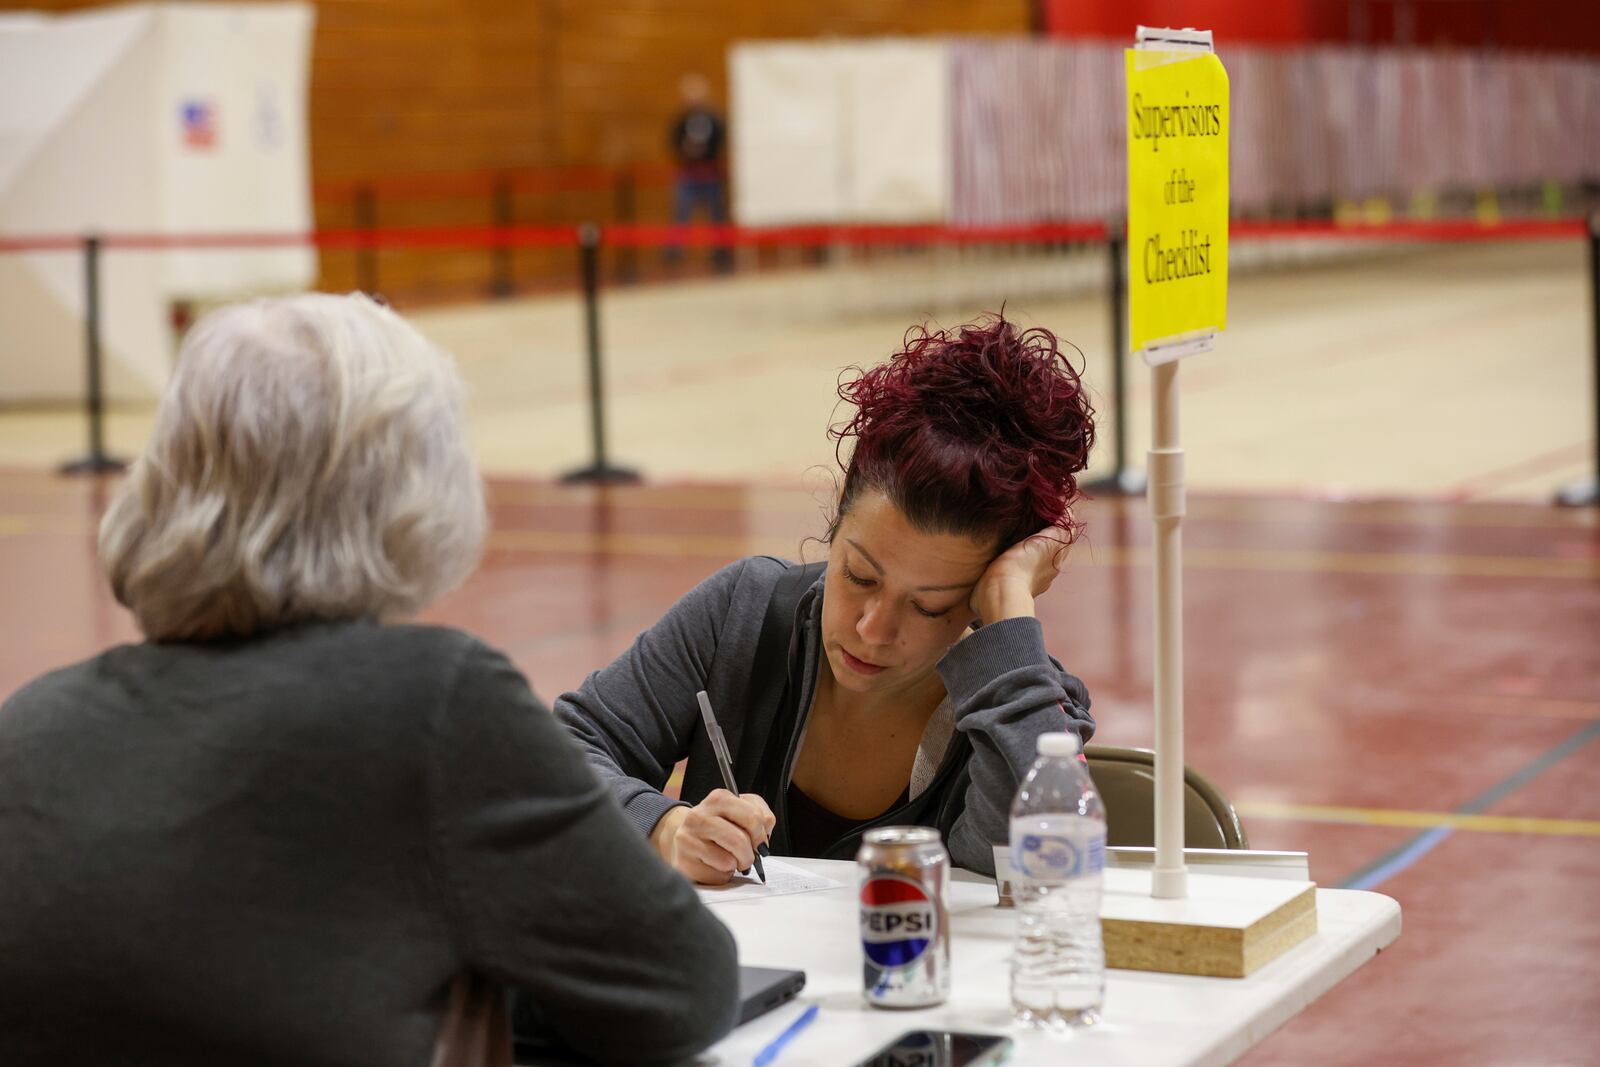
904	679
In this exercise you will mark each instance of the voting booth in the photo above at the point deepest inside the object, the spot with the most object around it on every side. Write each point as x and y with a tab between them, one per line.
158	119
840	131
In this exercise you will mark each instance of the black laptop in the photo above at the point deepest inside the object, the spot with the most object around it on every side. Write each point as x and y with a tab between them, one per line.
763	988
760	990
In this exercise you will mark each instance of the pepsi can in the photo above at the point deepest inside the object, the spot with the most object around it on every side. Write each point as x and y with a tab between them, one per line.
905	925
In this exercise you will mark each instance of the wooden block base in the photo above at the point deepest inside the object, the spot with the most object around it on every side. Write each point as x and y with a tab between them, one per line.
1227	927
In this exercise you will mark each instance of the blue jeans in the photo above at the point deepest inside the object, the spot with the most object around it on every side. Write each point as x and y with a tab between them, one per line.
690	196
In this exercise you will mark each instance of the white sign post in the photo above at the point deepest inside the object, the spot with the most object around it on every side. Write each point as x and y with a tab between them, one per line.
1177	273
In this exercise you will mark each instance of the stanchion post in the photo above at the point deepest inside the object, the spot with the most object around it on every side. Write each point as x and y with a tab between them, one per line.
599	472
1121	481
366	212
501	265
1587	493
96	462
1594	325
1169	879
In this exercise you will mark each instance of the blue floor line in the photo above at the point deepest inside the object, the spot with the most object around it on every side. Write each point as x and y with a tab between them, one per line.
1398	859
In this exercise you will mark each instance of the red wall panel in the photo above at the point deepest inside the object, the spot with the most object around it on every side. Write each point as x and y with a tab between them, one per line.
1551	25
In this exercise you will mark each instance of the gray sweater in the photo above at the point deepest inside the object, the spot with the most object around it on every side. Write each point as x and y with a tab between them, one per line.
282	850
638	717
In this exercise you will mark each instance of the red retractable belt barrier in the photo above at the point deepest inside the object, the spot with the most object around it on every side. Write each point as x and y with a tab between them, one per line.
648	235
42	243
408	237
1443	230
652	235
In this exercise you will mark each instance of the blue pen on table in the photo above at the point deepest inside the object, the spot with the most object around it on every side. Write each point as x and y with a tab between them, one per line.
775	1046
719	746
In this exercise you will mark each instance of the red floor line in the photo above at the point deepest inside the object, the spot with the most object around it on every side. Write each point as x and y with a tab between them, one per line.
1543	463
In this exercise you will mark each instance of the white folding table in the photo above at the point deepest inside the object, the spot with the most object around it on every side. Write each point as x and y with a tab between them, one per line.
1151	1020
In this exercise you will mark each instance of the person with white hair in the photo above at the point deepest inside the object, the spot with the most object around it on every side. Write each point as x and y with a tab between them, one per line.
289	827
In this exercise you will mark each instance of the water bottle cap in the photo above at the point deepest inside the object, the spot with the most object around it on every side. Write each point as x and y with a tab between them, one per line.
1062	744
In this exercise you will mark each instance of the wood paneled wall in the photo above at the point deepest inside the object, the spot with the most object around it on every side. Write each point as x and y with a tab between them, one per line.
413	87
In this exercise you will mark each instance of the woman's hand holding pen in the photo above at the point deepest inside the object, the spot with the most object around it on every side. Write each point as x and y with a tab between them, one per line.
1020	573
716	837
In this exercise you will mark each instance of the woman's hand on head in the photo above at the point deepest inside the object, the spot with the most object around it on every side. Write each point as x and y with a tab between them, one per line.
1019	574
716	837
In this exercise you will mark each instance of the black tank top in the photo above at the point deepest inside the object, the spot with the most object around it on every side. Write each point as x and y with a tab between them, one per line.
812	827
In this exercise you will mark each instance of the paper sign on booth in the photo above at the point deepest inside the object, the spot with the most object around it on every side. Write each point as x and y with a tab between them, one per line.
1177	201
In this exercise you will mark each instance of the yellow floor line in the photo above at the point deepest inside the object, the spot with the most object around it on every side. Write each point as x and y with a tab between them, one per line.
1420	820
1256	509
724	546
1528	705
716	546
756	498
1393	563
1421	512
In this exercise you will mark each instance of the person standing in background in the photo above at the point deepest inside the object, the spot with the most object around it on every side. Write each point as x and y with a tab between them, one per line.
700	186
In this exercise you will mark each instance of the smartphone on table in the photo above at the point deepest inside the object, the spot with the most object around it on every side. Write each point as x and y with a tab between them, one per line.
941	1048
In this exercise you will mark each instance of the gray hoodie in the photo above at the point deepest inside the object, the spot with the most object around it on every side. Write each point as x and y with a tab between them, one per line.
636	718
281	850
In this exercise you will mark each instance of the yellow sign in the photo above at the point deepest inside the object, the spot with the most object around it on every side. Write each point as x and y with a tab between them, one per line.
1177	197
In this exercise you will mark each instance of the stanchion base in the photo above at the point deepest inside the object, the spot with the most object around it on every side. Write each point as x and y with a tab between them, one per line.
94	465
1579	495
601	474
1119	483
1226	926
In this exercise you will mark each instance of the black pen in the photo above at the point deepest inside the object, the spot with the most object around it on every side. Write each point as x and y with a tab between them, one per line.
719	745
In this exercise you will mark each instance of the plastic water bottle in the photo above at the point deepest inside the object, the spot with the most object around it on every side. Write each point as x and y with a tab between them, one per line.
1058	851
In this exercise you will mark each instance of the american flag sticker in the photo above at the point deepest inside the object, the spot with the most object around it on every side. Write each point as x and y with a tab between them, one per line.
199	124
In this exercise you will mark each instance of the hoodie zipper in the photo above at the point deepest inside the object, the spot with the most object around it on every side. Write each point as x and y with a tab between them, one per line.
802	714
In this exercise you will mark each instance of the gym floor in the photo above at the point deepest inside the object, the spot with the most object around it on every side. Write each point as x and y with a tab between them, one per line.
1408	691
1393	644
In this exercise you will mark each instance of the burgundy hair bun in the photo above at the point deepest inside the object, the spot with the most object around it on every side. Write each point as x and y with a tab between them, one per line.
978	430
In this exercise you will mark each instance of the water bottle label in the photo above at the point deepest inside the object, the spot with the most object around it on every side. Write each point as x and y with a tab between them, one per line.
1047	856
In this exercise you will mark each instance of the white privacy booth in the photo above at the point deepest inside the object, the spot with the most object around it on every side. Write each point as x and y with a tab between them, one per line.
840	131
151	119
